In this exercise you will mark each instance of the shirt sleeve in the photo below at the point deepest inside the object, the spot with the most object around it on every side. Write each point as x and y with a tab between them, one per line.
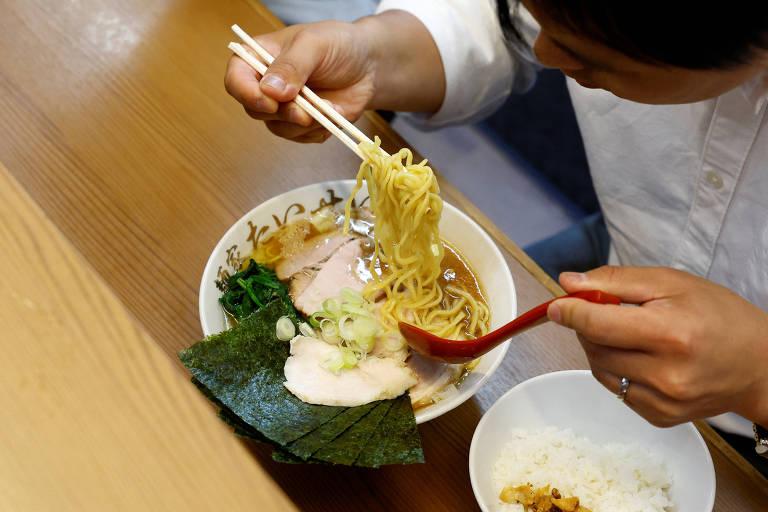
481	68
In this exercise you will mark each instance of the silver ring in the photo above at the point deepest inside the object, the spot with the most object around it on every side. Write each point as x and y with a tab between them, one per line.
623	388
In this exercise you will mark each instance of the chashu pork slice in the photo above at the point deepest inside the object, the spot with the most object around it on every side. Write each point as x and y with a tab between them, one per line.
301	281
340	271
372	379
433	377
312	252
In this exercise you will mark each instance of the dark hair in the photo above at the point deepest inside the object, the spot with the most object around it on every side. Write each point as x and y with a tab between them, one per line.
688	34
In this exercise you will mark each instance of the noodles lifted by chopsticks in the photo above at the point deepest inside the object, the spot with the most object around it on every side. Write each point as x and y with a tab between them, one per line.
405	199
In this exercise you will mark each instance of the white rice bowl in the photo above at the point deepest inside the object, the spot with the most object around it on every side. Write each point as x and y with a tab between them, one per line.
521	437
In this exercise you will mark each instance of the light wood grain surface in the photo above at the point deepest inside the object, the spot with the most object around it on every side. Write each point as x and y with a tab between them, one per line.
95	417
115	122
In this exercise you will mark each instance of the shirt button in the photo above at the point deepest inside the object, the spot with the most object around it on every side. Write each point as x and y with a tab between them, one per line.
714	179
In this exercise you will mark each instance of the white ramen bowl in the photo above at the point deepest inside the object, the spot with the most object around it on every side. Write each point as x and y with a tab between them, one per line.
575	400
457	228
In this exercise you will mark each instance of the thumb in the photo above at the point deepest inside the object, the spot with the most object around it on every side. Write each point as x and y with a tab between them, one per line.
291	69
633	285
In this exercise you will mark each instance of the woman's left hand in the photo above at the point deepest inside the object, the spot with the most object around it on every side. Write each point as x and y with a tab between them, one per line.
692	349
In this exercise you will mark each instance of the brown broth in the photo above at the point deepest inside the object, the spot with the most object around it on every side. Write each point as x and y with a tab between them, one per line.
464	277
457	272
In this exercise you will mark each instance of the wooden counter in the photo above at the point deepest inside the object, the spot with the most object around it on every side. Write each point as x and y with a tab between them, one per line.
125	161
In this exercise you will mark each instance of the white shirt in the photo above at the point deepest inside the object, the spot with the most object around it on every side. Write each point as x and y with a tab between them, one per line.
683	186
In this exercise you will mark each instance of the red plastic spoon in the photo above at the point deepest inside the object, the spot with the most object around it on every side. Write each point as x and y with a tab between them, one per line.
463	351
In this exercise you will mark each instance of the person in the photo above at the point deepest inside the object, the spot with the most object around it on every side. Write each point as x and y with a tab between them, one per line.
671	102
306	11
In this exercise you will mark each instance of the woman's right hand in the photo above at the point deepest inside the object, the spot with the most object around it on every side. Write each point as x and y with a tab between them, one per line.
356	66
333	58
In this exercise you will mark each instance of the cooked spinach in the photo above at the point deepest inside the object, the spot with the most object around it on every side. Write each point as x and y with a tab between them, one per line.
250	290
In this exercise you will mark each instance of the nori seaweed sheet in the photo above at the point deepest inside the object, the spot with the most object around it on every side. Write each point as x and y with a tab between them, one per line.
396	441
345	448
240	427
244	430
243	369
305	446
287	458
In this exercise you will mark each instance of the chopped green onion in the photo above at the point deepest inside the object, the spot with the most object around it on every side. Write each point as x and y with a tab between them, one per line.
355	310
306	330
341	359
350	359
346	327
329	331
285	330
315	318
351	296
366	344
332	307
348	321
365	327
334	363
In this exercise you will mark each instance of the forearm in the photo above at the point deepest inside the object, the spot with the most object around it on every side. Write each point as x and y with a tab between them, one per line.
408	71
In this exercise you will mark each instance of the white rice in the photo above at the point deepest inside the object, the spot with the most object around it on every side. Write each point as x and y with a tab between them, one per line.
605	478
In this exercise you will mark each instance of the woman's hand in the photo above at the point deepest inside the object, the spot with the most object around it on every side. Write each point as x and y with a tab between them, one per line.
356	66
692	349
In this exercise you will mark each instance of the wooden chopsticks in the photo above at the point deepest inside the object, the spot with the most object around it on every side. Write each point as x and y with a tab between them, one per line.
314	105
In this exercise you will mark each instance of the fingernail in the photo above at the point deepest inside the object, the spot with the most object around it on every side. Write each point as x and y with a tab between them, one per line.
573	277
274	82
337	108
554	313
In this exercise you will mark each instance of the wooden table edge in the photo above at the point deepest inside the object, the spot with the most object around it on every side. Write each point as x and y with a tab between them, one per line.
145	348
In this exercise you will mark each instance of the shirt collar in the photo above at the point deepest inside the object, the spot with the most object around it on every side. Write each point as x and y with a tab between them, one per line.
756	91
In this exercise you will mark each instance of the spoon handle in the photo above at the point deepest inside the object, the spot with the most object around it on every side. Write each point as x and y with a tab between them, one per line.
462	351
538	315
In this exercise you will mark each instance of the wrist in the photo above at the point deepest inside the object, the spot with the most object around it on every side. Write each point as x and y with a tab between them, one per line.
757	409
368	34
406	66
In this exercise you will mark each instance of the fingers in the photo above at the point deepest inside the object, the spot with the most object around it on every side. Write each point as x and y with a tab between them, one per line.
287	112
628	328
291	122
242	83
644	400
315	137
297	133
297	60
641	365
270	98
634	285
